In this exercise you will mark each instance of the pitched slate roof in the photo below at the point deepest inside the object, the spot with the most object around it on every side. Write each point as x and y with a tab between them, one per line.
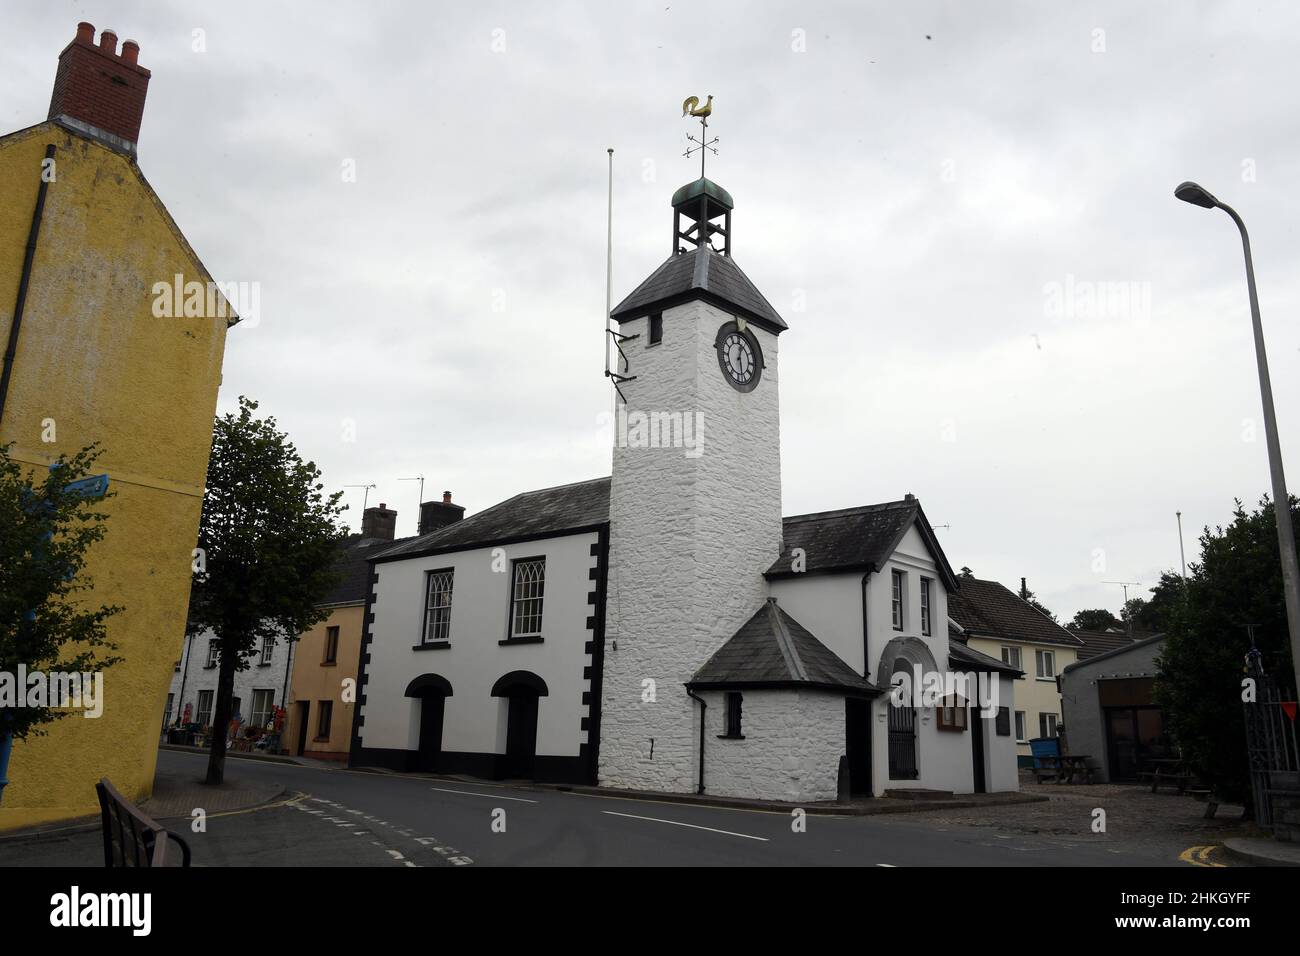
352	565
1099	642
988	609
774	650
855	539
1143	641
700	273
529	515
961	657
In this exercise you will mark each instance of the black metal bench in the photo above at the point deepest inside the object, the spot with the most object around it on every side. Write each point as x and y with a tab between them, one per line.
130	837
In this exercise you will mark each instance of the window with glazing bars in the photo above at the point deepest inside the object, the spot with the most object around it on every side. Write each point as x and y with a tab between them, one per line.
530	582
437	618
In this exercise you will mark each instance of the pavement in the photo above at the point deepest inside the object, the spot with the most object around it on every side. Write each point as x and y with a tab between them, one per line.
309	816
1263	851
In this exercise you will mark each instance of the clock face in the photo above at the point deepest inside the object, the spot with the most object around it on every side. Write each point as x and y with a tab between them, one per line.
739	357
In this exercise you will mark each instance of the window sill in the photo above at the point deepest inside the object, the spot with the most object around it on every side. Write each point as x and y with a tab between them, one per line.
531	639
1046	680
329	663
264	664
320	740
731	736
432	646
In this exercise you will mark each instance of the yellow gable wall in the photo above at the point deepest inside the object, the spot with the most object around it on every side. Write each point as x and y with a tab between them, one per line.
93	358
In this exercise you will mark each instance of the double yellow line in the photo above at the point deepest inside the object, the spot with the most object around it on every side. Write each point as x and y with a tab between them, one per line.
1199	855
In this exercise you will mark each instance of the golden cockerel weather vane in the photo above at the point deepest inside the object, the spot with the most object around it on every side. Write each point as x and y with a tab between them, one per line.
703	145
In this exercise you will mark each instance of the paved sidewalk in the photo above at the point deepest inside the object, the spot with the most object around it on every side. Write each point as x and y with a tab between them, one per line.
1262	851
179	794
176	794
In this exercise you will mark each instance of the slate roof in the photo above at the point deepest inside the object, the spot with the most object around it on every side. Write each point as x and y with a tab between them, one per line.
989	609
1099	642
531	514
855	539
774	650
700	273
1143	641
353	568
961	657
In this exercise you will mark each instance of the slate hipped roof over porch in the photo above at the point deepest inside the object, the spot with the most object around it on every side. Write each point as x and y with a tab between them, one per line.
772	650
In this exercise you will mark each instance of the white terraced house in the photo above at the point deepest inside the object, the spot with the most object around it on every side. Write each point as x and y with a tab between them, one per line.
665	628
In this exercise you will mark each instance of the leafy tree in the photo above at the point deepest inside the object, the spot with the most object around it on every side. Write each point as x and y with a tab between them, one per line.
1237	583
46	529
1157	614
1094	619
268	539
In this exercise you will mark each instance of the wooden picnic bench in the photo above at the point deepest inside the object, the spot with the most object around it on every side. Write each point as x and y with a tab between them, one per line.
130	837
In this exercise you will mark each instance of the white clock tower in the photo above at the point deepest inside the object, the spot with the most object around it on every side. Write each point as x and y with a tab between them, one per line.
695	504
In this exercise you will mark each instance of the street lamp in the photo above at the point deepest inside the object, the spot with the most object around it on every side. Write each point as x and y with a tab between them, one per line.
1199	196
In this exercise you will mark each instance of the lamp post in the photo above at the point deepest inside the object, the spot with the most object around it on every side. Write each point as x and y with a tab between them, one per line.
1199	196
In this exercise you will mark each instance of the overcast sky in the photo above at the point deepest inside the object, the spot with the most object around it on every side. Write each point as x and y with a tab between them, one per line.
929	193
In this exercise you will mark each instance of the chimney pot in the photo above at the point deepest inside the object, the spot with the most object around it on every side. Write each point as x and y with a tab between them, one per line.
446	497
98	91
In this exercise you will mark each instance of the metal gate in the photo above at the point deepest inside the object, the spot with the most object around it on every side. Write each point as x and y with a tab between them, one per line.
902	743
1270	744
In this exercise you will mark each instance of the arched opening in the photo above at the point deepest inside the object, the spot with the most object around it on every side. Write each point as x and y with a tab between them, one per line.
432	691
522	690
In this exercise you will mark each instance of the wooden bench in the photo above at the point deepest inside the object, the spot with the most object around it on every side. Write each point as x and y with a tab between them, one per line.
130	837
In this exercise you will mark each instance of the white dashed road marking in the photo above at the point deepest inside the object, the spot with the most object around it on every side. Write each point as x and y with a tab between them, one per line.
450	854
692	826
494	796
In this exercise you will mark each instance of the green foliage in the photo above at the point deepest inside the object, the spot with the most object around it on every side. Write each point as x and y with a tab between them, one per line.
1238	582
1094	619
45	533
269	537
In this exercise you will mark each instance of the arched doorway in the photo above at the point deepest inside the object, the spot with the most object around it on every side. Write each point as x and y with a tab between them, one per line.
522	690
432	691
903	656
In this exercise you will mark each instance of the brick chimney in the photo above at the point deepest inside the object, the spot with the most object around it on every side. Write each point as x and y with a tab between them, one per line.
439	514
379	522
100	91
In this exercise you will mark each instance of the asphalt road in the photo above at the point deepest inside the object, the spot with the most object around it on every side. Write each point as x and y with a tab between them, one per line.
352	818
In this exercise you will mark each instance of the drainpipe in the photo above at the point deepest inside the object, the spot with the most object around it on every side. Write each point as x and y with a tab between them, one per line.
11	350
704	709
186	653
866	633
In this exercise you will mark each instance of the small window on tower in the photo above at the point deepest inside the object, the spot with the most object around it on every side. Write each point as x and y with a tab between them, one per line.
656	328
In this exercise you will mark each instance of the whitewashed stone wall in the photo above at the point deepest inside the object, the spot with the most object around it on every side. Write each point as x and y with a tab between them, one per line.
791	751
196	676
689	540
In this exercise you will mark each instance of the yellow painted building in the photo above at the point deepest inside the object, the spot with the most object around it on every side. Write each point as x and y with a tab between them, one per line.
94	362
998	622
